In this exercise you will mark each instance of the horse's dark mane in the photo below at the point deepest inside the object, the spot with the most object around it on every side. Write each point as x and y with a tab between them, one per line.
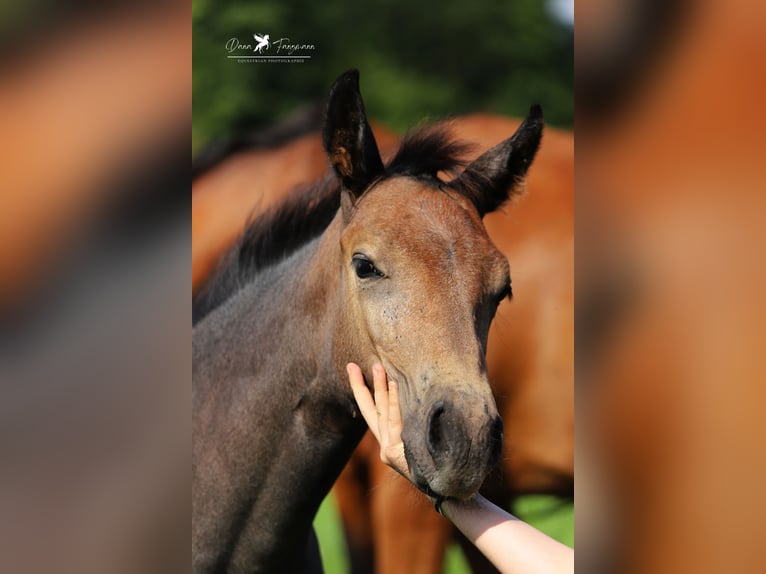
305	214
304	121
428	150
308	210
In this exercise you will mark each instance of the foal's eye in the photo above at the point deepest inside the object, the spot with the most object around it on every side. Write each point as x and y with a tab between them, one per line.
364	267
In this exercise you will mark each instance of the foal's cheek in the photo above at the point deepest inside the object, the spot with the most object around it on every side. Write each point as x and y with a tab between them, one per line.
385	323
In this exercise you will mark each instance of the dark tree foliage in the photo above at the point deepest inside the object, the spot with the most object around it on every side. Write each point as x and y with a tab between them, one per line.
417	60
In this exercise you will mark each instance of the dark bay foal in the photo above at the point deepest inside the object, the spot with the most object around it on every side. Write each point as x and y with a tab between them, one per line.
391	264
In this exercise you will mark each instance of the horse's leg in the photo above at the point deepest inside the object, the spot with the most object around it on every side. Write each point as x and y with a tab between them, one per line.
352	495
409	535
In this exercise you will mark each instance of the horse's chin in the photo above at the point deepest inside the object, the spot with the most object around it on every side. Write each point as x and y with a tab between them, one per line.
418	479
432	488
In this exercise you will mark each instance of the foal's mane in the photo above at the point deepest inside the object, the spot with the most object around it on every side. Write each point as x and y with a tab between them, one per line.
307	211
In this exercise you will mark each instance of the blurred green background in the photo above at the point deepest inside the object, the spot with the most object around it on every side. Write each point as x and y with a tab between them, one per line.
417	61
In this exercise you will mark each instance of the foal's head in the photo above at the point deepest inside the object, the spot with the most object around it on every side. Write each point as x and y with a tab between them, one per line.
422	281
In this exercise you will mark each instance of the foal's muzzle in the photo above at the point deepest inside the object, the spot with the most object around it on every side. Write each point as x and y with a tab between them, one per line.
460	447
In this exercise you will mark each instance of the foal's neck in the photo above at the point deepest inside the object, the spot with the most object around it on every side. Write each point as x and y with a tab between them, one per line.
274	419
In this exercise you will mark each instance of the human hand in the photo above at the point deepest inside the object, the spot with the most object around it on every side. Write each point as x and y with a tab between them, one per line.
382	414
490	528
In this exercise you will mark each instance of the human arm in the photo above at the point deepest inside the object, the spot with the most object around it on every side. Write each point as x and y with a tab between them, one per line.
508	542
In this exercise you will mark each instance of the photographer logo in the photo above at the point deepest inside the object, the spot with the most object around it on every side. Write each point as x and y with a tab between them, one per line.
265	50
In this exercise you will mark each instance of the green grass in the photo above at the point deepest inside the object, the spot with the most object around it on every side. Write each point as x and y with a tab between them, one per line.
332	543
454	561
549	514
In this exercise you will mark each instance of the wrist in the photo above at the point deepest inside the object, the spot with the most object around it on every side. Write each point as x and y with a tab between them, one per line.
448	506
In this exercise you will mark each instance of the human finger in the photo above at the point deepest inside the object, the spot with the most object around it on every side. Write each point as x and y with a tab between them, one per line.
394	411
380	386
363	397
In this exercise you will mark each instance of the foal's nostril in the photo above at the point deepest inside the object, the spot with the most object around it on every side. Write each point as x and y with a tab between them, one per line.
437	444
495	441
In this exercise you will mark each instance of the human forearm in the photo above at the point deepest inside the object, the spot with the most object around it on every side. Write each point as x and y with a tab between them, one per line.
509	543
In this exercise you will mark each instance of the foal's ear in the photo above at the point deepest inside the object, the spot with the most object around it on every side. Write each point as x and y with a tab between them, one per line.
496	174
348	139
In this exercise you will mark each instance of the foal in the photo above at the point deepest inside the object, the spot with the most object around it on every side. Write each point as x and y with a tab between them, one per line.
391	265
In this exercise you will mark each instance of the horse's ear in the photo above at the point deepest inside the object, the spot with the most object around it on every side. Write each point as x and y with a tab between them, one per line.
496	174
348	139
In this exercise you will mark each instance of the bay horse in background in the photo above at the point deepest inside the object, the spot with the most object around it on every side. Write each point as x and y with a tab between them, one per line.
530	360
390	264
671	366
